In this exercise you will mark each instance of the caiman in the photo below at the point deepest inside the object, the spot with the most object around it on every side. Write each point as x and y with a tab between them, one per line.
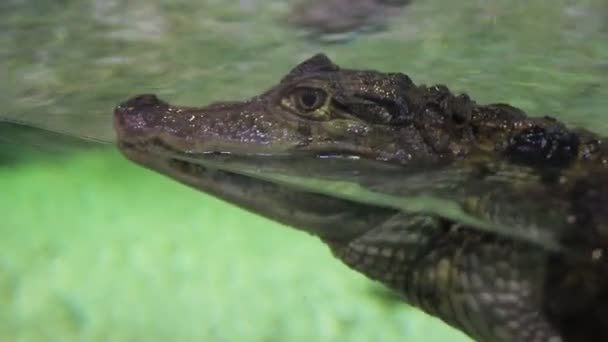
494	282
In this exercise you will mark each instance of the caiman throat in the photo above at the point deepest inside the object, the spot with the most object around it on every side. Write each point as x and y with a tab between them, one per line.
528	193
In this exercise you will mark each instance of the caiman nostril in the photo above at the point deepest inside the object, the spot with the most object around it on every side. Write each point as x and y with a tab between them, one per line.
141	110
140	104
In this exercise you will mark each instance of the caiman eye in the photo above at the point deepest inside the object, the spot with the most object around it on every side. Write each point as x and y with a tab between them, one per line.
309	99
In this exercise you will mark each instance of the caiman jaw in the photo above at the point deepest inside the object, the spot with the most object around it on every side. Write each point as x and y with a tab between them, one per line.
327	217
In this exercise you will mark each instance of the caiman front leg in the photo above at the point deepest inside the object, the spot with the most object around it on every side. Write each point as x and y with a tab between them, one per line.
489	287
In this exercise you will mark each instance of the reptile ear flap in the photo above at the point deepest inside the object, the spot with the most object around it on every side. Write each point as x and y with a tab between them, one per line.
317	63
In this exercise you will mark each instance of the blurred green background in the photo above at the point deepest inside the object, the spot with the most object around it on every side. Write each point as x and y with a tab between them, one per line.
94	248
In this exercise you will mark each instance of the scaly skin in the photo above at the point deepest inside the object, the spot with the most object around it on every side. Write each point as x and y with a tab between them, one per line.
526	180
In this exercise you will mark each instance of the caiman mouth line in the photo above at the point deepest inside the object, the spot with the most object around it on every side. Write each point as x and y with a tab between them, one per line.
214	165
217	168
195	164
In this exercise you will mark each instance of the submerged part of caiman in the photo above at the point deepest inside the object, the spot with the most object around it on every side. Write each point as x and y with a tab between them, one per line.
496	168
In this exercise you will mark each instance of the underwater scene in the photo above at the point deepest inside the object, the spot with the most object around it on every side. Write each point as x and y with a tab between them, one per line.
156	156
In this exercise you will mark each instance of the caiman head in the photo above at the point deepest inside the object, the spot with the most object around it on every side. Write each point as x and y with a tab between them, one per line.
316	115
318	112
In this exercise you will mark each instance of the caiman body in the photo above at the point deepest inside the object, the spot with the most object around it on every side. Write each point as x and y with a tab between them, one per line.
508	170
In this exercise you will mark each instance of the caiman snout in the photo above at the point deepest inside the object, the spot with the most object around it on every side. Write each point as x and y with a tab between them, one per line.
139	112
140	103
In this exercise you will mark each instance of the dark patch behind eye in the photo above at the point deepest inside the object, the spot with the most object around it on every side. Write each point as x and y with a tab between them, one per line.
398	112
364	110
